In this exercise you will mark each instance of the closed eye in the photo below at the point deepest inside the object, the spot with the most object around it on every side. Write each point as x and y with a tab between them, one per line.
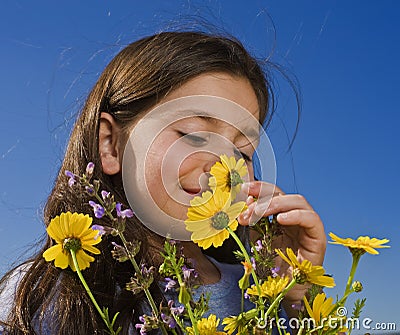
194	140
240	154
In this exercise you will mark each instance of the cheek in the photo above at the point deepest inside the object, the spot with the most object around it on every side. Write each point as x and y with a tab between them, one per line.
250	169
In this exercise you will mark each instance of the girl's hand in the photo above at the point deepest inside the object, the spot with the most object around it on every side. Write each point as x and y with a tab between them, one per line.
303	230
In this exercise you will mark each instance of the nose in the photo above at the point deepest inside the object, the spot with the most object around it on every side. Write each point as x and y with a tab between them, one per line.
209	161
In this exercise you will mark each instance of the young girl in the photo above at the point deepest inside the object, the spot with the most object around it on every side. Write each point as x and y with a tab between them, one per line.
38	298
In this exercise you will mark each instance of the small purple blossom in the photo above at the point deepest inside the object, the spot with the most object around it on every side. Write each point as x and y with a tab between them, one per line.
253	262
187	273
100	230
89	190
168	320
175	310
105	195
127	213
142	328
89	169
98	209
258	246
297	307
147	271
170	284
71	176
275	271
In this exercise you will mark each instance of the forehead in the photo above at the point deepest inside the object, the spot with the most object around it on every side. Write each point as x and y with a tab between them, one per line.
223	85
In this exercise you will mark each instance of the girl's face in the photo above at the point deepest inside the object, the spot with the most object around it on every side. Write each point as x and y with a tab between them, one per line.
170	151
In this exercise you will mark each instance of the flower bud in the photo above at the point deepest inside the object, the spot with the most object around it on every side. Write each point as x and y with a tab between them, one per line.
357	286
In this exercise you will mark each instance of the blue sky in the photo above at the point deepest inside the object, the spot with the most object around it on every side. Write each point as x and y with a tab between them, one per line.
345	159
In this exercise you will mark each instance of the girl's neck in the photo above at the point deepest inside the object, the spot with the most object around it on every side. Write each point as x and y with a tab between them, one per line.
208	272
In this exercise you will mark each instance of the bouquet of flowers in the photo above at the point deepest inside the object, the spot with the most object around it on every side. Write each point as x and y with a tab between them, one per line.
211	219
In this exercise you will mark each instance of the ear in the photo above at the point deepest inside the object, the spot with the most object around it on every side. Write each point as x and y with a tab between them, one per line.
110	144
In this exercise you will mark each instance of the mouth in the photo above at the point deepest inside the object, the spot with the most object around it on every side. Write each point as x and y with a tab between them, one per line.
192	191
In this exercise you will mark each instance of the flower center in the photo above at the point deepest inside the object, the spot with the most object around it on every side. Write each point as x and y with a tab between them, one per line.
72	243
235	178
299	276
220	220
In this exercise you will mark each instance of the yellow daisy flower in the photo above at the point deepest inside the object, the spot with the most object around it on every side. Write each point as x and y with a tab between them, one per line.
209	215
270	288
228	174
305	271
321	310
321	307
72	231
206	326
363	243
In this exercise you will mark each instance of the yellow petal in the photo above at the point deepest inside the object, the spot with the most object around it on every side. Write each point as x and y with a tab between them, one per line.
308	307
324	281
62	260
83	259
237	208
81	224
52	252
292	257
54	230
91	249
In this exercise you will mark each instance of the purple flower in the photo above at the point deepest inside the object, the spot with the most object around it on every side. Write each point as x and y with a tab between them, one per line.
275	271
253	262
89	190
127	213
297	307
89	169
175	310
100	230
71	176
169	320
105	195
98	209
258	246
170	284
142	328
187	273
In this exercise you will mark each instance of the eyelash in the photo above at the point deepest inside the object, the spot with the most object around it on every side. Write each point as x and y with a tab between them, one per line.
199	140
241	154
193	138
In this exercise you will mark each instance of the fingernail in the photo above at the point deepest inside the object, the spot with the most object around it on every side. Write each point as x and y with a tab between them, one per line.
282	216
249	200
246	214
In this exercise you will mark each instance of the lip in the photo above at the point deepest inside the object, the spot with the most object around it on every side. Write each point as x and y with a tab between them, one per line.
192	191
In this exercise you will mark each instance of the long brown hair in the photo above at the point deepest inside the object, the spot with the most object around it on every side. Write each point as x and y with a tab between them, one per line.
134	81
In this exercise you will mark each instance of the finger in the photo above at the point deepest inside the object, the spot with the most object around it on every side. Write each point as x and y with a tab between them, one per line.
311	235
281	203
306	219
261	189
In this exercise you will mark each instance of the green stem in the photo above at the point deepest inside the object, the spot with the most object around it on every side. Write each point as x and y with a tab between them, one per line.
242	302
89	292
146	290
187	305
253	273
348	290
135	266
